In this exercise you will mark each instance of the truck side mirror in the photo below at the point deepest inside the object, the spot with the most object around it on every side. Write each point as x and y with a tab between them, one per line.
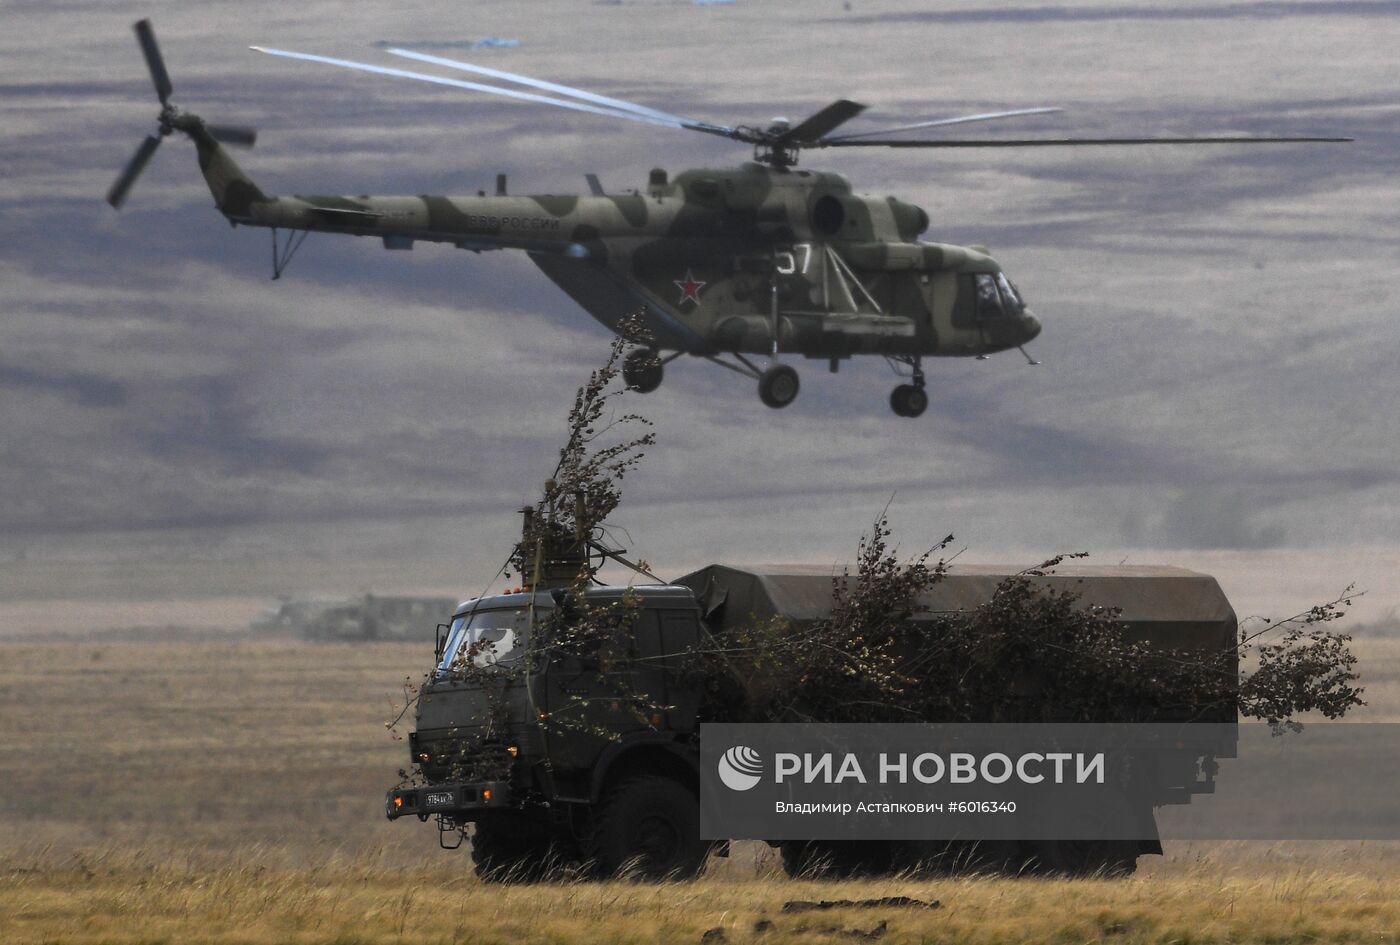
441	636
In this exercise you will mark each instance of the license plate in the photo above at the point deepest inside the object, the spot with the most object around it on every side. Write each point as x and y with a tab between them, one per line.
439	799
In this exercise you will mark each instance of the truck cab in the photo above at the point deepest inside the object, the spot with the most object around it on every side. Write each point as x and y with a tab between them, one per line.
559	749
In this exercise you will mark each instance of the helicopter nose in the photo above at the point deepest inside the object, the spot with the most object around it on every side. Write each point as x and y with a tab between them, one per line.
1032	325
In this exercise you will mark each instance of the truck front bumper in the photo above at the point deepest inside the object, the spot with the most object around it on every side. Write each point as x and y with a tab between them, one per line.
446	799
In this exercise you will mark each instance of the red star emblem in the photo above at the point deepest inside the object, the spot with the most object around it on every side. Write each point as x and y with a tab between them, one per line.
690	288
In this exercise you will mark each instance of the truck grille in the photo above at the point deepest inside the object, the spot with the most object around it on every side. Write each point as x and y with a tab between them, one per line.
460	759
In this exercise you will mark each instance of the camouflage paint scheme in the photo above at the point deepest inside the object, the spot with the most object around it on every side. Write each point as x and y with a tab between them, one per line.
704	254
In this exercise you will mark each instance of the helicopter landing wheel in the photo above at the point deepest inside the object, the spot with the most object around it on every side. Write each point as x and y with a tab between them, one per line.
777	385
642	370
909	400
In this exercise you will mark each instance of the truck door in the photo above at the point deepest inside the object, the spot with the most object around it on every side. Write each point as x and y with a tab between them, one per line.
614	688
648	666
680	635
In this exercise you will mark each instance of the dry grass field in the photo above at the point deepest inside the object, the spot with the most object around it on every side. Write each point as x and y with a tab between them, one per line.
124	898
230	792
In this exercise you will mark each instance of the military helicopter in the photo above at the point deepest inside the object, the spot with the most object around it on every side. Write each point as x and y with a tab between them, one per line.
761	260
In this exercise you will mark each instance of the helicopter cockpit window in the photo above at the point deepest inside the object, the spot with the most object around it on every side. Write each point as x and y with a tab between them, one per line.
1009	296
988	299
485	639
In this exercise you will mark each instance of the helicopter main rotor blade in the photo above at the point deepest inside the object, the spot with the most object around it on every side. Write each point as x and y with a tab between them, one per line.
828	119
1060	142
616	104
155	62
472	86
939	122
116	194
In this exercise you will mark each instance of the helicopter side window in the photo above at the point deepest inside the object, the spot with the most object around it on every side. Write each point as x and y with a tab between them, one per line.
988	299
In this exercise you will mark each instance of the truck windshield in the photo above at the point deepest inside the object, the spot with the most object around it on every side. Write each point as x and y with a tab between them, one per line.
486	639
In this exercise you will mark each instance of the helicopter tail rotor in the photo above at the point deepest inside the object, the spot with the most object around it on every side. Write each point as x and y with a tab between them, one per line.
171	119
116	194
155	62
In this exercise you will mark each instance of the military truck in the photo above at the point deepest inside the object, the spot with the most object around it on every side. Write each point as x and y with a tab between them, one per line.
623	793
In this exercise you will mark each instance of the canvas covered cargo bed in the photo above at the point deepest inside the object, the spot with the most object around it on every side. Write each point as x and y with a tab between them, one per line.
1166	606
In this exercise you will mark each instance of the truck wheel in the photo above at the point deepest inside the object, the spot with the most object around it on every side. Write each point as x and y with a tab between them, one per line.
503	855
649	827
